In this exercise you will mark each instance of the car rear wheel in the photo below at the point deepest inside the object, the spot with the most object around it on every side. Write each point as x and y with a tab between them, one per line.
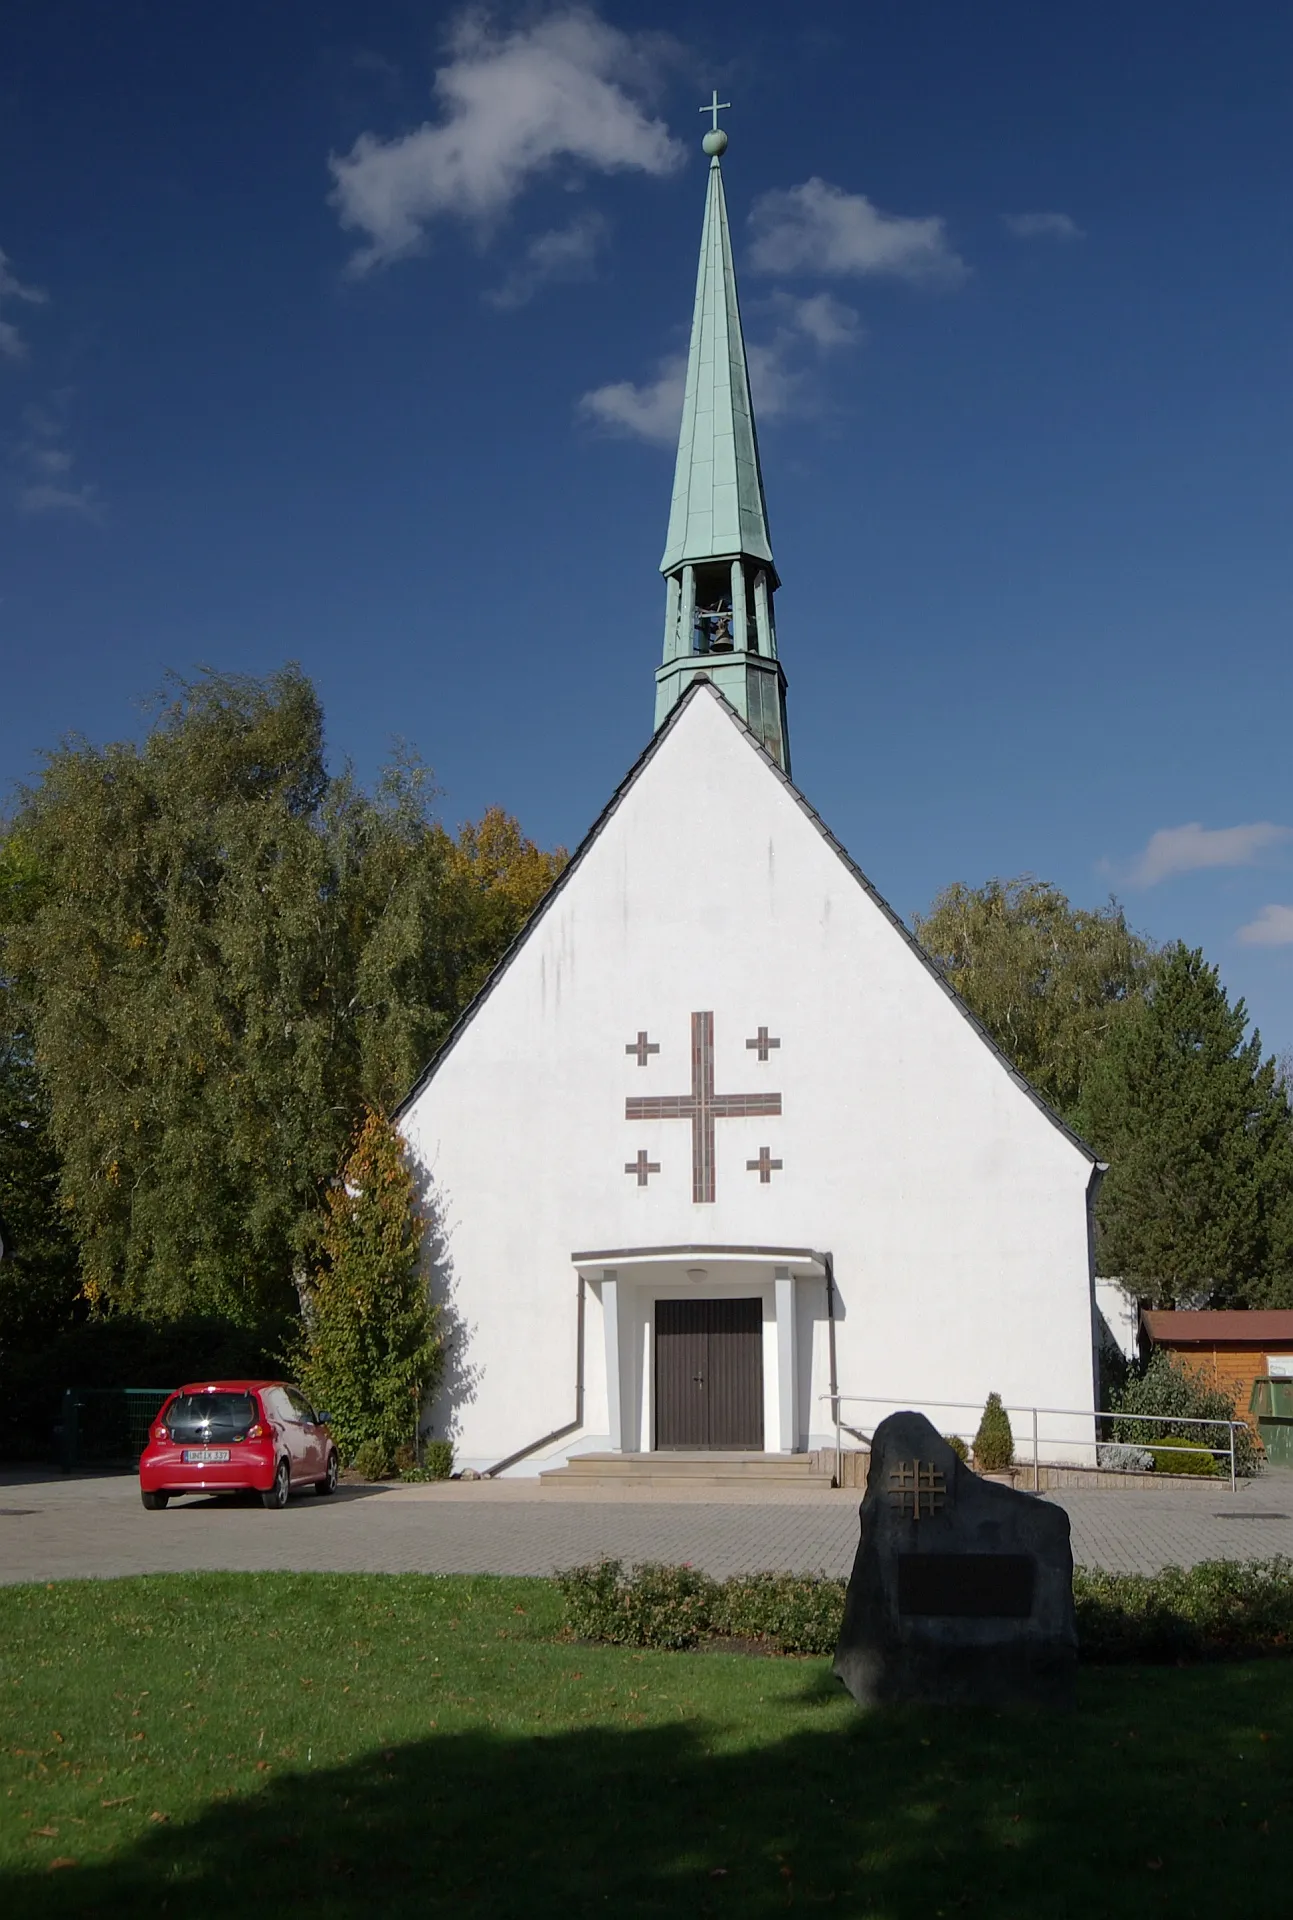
276	1496
328	1484
154	1501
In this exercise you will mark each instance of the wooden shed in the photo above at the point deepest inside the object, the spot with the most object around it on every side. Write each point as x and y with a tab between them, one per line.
1230	1348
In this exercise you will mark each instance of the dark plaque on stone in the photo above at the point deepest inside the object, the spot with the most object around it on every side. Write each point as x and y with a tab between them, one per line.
962	1589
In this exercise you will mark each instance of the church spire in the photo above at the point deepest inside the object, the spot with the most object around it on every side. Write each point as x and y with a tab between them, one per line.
718	567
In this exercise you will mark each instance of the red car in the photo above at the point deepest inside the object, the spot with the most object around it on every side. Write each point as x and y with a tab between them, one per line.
237	1436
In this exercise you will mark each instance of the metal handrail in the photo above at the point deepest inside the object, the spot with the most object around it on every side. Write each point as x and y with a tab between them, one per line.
1077	1413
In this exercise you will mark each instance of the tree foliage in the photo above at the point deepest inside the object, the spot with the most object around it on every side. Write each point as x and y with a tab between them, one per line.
371	1350
1047	979
39	1277
222	954
1168	1387
1196	1127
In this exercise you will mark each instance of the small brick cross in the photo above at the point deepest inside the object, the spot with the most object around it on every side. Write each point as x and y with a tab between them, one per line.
765	1166
761	1043
642	1047
642	1167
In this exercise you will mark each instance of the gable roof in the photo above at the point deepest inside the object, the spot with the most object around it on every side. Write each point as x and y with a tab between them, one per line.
1201	1326
706	689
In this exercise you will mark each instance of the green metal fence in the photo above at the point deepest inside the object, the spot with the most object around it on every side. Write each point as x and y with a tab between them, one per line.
107	1426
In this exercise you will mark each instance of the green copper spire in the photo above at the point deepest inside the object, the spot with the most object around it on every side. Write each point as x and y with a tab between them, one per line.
719	573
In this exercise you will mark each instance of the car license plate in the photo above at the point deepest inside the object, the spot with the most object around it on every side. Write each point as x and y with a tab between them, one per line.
202	1456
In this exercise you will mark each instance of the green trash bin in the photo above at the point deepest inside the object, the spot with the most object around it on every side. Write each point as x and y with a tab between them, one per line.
1272	1402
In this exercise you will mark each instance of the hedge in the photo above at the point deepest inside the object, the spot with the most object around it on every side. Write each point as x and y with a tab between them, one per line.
1218	1609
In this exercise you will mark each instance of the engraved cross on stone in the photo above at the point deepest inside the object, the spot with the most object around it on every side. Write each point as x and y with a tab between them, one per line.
642	1047
761	1043
702	1106
765	1166
917	1489
642	1167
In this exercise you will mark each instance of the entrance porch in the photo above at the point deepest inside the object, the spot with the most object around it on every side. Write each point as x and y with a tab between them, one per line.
708	1350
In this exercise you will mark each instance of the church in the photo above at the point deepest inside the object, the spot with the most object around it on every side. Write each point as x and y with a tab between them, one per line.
716	1152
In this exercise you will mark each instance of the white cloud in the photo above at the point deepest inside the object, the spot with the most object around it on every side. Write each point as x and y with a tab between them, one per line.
12	345
563	253
821	318
819	228
781	372
82	502
43	463
649	412
1186	849
1273	927
1042	226
511	104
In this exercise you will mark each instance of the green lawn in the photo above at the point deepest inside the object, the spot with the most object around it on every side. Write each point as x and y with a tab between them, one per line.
232	1745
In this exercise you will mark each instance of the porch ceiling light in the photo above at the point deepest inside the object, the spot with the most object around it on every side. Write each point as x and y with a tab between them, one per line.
697	1273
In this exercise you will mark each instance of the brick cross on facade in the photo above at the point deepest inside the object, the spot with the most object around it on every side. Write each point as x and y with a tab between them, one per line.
765	1166
642	1167
761	1043
702	1106
642	1047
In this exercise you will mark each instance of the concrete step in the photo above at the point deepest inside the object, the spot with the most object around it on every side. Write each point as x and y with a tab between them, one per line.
781	1470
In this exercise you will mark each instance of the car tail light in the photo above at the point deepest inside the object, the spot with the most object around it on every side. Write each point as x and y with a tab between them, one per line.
258	1432
160	1435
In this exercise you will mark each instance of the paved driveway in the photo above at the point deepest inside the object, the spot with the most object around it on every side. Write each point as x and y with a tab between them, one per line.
52	1529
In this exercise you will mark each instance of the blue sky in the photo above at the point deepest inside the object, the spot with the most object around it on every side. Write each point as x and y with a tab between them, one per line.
350	335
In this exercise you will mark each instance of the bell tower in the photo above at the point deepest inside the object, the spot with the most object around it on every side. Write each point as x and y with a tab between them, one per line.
720	580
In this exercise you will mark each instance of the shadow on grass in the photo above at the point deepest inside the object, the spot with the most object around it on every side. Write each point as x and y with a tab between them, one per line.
1158	1796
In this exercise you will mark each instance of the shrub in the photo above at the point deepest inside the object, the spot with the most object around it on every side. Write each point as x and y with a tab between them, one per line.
656	1606
372	1461
437	1462
1218	1608
1196	1461
994	1443
676	1607
797	1613
1124	1458
1164	1386
371	1349
1221	1608
959	1447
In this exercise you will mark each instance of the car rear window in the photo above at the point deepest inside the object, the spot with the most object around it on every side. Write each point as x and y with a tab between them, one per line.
210	1416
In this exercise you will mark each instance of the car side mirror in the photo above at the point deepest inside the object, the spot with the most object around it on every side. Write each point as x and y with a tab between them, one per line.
321	1419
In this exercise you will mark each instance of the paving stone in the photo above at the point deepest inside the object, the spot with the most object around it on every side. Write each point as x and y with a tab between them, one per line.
52	1529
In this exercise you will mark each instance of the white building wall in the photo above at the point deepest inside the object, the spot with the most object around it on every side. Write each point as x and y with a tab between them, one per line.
954	1208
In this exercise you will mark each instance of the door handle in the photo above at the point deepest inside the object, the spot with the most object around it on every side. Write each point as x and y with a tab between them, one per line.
697	1379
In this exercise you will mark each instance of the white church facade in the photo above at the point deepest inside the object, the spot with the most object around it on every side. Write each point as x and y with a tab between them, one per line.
716	1145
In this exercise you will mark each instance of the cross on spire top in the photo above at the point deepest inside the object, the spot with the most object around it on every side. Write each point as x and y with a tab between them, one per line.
716	106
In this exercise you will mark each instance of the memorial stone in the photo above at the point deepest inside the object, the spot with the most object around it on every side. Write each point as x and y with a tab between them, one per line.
962	1589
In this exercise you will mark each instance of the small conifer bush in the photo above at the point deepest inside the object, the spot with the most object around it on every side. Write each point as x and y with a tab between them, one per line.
959	1448
994	1443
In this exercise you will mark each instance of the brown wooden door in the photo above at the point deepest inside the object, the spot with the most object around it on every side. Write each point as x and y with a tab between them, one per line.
709	1374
